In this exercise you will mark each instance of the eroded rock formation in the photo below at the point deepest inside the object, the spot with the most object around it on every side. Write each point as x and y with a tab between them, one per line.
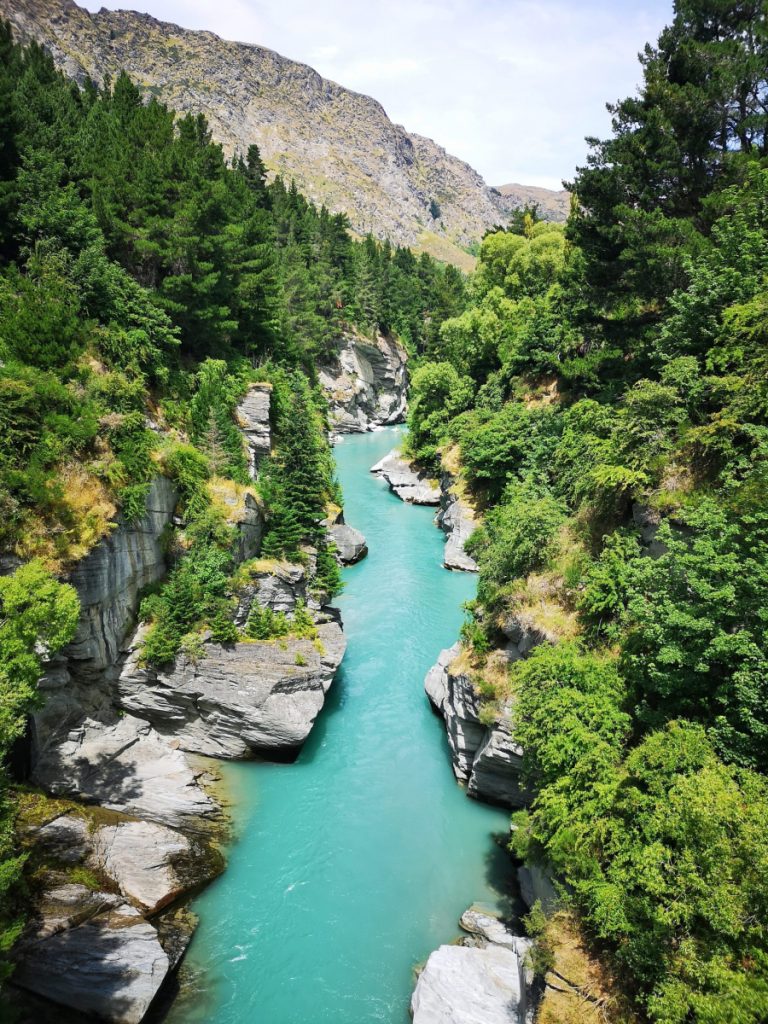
409	484
482	980
365	383
484	756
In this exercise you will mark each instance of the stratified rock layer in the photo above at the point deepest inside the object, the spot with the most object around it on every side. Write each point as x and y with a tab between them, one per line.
486	757
366	383
409	484
243	699
457	519
110	965
253	417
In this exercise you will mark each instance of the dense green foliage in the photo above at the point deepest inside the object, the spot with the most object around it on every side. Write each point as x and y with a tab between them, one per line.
616	444
38	615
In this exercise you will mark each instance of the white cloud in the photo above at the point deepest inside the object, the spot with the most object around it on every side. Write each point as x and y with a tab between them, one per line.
511	86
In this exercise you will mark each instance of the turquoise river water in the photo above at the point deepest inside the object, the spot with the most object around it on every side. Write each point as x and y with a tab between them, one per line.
356	861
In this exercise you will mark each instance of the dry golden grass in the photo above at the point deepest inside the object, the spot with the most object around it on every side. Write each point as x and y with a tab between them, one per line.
580	989
229	497
87	514
443	249
539	605
545	393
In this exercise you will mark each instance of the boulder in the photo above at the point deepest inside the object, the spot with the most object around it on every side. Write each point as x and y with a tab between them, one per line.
408	484
470	985
143	859
350	544
253	418
488	928
110	965
254	697
365	383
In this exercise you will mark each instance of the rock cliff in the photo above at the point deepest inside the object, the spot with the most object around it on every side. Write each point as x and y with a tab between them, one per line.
122	744
485	756
339	146
456	518
365	382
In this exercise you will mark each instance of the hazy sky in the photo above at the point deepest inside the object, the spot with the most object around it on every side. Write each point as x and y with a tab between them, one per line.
511	86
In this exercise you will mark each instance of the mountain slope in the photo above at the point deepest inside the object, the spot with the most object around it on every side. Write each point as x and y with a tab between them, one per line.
339	146
553	205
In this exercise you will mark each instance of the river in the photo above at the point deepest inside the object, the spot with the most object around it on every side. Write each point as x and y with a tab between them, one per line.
354	862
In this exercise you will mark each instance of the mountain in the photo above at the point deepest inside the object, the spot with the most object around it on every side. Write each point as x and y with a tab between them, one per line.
339	146
553	205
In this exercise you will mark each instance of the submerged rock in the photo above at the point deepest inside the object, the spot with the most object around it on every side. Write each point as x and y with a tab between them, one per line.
407	483
365	383
350	543
486	757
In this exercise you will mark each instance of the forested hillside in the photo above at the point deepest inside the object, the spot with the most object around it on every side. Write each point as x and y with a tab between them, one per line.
145	282
606	393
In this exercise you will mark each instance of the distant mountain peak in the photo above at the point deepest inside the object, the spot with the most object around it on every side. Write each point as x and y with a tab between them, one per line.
339	146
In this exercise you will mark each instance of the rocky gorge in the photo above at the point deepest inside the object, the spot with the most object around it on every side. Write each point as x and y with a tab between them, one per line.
135	815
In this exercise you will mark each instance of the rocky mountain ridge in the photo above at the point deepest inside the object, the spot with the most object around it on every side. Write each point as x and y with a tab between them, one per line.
339	146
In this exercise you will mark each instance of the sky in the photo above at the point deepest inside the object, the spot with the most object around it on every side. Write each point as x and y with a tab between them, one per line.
510	86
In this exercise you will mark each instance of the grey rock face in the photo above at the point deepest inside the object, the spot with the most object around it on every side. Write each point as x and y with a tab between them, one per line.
365	384
108	581
487	758
253	417
404	481
245	699
536	884
125	765
458	522
141	857
111	964
485	982
350	543
522	637
277	585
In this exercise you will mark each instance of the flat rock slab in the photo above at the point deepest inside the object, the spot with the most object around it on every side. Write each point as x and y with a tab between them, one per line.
404	481
127	766
467	985
247	698
141	858
111	966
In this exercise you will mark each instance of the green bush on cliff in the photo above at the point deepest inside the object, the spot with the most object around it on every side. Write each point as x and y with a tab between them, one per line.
38	616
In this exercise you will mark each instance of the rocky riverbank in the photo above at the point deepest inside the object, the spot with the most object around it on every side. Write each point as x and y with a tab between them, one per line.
132	819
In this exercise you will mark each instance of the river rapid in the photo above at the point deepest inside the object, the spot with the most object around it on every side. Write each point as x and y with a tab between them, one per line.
353	863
